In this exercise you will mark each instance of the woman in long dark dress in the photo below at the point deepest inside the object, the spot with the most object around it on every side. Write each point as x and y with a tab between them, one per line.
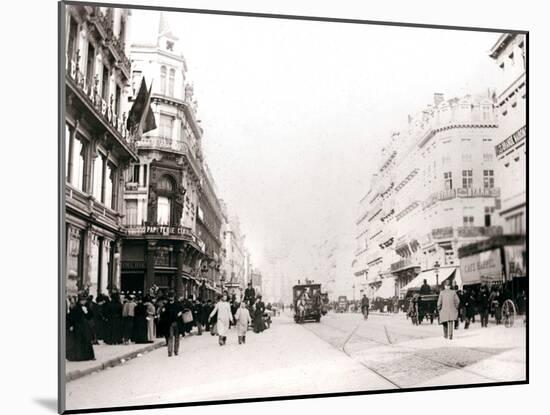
113	315
81	336
140	323
259	309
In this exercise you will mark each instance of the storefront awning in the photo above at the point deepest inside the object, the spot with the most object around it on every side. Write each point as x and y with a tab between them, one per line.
386	290
431	279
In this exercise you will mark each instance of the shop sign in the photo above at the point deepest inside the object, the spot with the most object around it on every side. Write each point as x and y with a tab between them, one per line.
482	267
511	141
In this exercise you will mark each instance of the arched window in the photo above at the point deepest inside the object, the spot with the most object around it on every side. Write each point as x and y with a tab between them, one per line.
165	190
163	80
171	81
166	184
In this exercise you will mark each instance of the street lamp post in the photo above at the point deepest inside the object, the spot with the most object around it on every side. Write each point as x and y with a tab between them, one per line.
436	268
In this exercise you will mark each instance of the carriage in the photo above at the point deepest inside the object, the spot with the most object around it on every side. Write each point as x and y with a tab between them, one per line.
498	261
307	302
423	306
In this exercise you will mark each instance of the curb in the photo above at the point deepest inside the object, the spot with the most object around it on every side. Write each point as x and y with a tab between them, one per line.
116	361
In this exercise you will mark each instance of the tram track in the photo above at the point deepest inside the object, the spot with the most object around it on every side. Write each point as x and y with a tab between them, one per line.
416	352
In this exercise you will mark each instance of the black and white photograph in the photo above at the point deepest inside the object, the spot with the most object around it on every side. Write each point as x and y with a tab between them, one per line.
263	206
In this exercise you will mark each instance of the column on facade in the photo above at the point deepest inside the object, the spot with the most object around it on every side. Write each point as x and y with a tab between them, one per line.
117	266
180	251
150	272
72	258
105	248
72	133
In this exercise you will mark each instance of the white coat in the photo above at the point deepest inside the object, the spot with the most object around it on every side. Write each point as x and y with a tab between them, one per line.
224	317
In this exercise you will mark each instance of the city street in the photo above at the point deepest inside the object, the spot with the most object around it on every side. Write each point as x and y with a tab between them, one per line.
341	354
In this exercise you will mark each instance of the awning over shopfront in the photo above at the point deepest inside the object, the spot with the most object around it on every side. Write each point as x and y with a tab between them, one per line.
386	290
430	277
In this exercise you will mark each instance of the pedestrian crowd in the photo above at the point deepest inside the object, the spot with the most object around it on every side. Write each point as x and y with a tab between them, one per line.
119	319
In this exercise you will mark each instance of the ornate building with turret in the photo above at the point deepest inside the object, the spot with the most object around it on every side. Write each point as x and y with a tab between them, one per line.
163	190
98	146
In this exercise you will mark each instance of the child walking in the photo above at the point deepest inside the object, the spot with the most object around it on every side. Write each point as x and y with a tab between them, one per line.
242	316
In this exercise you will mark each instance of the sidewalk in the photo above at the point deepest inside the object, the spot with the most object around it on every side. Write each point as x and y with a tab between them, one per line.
108	356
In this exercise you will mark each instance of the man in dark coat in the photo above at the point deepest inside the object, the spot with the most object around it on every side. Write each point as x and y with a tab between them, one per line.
249	295
483	305
171	313
78	323
467	302
197	316
365	305
425	288
128	310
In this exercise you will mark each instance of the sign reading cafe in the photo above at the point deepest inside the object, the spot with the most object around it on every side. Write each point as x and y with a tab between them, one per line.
481	267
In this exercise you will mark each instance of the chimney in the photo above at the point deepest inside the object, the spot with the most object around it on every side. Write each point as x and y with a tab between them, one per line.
438	98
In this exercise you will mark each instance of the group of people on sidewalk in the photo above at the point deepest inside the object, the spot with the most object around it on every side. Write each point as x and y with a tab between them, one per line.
455	305
120	320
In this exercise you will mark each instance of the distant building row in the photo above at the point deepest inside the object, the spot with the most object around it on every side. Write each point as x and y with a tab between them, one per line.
456	174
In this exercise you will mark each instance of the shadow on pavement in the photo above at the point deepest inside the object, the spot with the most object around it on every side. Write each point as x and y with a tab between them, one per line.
48	403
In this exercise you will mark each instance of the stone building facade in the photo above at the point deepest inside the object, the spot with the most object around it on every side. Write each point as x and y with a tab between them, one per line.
98	147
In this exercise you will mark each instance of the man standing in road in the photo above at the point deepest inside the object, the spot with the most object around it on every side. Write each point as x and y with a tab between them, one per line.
425	288
365	306
447	304
249	295
171	314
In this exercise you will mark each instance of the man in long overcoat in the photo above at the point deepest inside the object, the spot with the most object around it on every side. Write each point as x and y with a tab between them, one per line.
447	304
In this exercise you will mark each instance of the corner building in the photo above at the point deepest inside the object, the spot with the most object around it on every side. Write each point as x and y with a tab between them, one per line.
162	190
98	147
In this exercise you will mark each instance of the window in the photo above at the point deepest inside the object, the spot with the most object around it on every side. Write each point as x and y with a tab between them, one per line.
90	65
488	179
77	174
163	80
163	210
134	177
105	84
468	221
67	149
71	45
136	79
171	80
467	179
98	177
166	126
130	217
448	177
122	31
166	184
169	45
487	157
109	182
118	94
144	183
466	157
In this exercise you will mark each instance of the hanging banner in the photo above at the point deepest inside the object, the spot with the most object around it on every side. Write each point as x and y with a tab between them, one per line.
482	267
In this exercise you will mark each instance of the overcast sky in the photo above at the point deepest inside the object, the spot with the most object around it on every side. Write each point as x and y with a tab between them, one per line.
295	113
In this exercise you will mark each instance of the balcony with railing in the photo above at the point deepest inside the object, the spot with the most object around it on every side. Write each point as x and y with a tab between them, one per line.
89	206
474	192
87	89
168	144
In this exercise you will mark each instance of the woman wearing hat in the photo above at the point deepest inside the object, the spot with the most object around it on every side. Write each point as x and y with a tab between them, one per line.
79	331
